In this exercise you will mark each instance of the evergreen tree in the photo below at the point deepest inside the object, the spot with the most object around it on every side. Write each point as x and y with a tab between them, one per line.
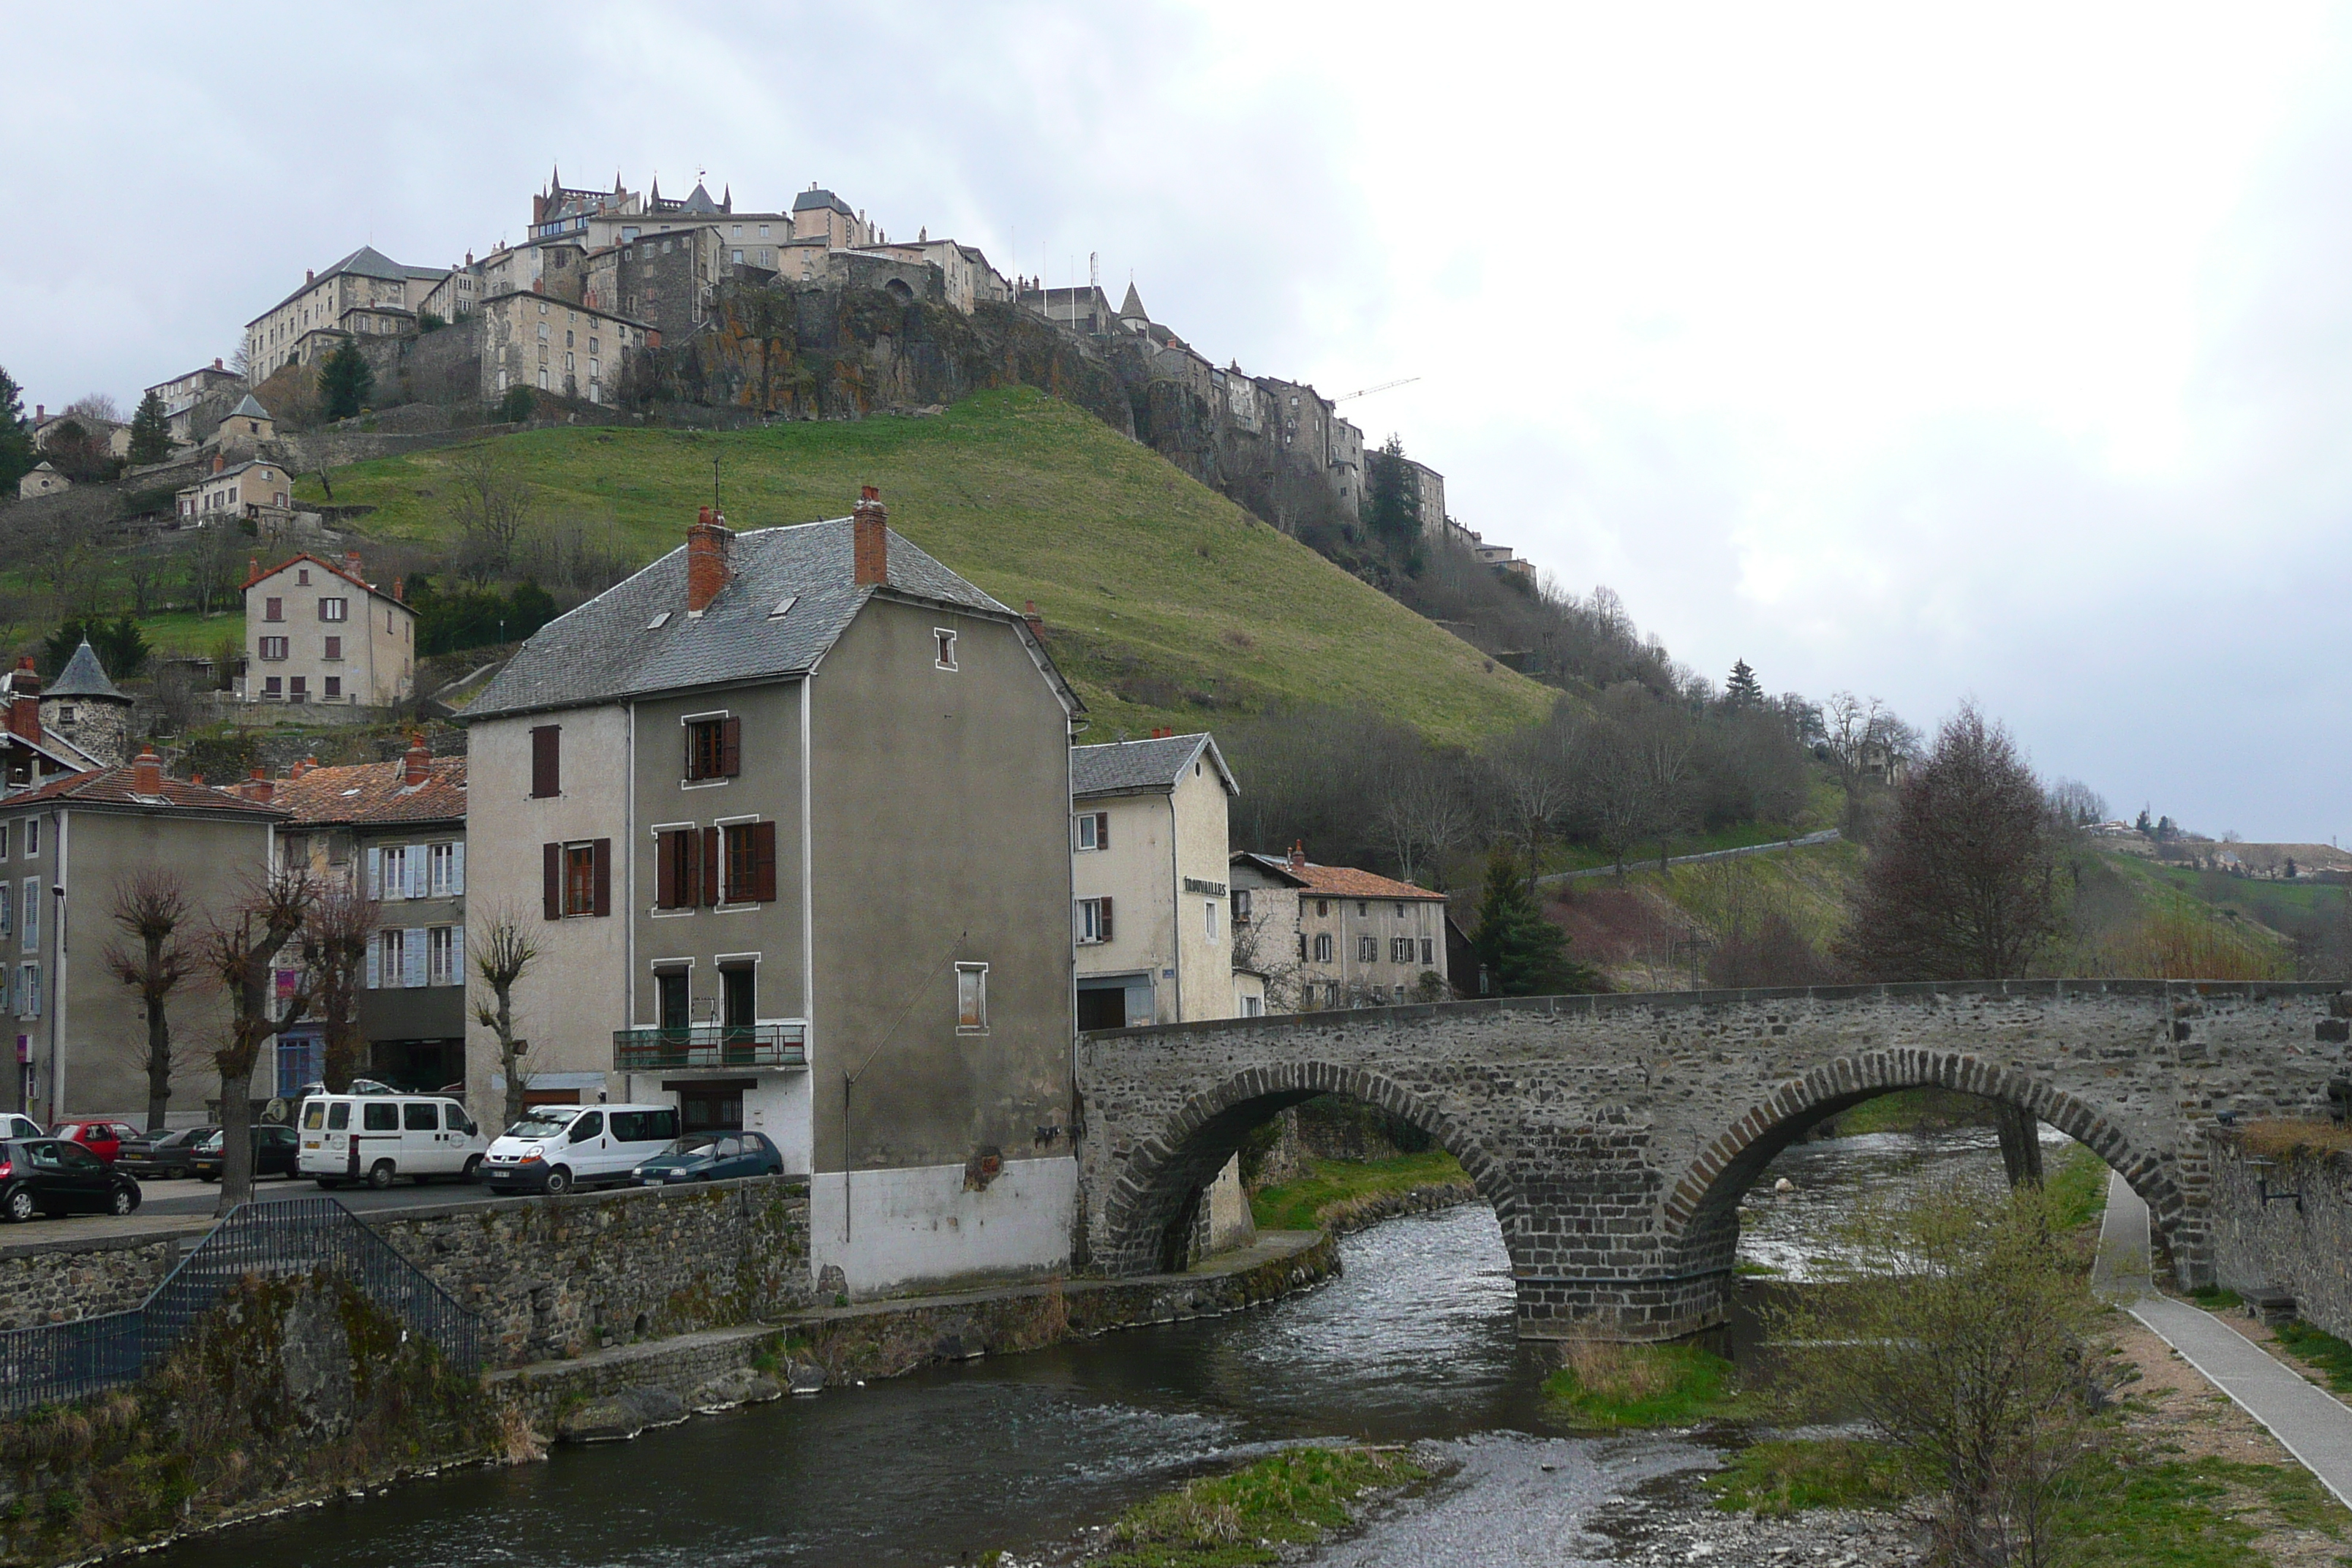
121	648
345	380
16	454
1393	501
2144	824
1524	954
150	431
1743	689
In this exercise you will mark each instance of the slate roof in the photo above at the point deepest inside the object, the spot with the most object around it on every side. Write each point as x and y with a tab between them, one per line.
111	786
250	408
83	676
369	792
813	199
1337	881
1131	308
1132	767
367	261
610	648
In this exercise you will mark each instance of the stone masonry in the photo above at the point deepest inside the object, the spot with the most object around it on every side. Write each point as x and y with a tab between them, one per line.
2284	1223
1614	1135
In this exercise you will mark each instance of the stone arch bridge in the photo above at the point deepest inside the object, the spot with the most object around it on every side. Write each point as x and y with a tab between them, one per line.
1614	1135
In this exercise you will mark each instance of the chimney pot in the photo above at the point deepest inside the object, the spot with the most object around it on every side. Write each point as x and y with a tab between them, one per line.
147	771
709	560
216	363
419	761
1036	621
1297	855
869	540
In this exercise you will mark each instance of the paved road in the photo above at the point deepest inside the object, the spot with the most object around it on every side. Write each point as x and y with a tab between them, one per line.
1827	835
2315	1427
184	1208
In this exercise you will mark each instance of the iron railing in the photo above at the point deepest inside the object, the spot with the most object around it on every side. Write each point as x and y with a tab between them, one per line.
52	1362
710	1046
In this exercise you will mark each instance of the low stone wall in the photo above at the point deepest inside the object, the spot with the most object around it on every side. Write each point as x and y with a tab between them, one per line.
60	1281
1362	1214
554	1277
2304	1248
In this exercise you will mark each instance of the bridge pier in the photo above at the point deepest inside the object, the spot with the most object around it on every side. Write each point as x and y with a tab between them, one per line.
2020	1144
1637	1311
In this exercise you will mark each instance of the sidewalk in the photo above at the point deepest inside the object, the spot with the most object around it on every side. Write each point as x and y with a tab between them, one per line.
2314	1427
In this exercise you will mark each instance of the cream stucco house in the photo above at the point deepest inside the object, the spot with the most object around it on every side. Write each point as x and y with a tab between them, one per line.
1147	871
316	631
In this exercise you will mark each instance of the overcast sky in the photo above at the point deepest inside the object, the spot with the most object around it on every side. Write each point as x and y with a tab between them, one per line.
1996	354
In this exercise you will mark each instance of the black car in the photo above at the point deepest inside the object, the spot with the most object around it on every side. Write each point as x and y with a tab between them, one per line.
154	1156
51	1176
274	1149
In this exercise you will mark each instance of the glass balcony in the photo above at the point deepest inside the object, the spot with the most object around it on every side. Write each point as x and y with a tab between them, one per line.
710	1046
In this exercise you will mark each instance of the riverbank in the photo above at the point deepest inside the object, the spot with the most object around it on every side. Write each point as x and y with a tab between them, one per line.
1342	1196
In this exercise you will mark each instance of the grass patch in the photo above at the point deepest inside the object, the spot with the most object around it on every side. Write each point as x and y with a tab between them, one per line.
1786	1476
2320	1349
1330	1185
1755	1270
2188	1513
2215	1299
1605	1384
1286	1500
1916	1111
2077	1184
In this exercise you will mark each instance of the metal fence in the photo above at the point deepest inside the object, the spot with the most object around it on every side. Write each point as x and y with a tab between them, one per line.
54	1362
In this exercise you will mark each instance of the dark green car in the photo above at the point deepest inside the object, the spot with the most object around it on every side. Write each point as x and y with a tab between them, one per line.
711	1157
274	1151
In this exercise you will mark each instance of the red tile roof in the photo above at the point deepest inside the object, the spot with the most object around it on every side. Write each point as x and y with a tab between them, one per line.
375	792
112	786
1342	881
259	572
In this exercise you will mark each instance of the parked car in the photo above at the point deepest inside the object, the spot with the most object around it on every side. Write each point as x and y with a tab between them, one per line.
555	1148
53	1176
711	1157
103	1139
13	1125
158	1156
379	1137
273	1154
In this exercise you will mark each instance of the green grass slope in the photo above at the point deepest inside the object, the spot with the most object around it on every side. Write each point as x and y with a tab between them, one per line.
1164	603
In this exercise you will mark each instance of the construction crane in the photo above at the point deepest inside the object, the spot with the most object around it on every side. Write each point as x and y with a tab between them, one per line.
1367	392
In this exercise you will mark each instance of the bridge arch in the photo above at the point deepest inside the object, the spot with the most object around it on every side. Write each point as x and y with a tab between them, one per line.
1150	1205
1701	1224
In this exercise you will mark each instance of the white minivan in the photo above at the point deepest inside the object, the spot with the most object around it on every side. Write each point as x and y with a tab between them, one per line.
555	1148
378	1138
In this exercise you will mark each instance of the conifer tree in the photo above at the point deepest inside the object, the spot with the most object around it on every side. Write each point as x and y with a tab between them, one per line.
150	431
16	454
1743	689
345	380
1524	953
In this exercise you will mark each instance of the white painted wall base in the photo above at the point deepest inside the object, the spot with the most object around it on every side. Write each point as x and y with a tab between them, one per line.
779	1107
917	1226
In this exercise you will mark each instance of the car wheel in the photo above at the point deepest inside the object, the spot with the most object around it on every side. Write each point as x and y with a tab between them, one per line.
473	1170
559	1181
126	1201
380	1175
19	1207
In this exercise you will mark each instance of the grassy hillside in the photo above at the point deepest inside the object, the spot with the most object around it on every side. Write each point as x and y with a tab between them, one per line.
1163	602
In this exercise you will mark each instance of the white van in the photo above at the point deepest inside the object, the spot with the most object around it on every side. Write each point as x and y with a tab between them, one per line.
555	1148
376	1138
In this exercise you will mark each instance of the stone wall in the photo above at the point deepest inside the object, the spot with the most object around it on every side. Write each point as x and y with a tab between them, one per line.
60	1281
2301	1246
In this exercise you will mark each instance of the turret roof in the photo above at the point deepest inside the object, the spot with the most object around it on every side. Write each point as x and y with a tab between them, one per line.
84	677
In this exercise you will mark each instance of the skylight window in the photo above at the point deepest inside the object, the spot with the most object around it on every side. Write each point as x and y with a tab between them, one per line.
784	607
658	622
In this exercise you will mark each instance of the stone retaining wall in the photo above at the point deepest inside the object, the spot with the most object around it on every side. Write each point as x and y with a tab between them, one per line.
60	1281
2304	1248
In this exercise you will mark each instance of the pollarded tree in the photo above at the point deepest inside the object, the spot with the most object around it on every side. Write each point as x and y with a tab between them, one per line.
342	925
149	907
240	955
344	381
1963	884
503	954
150	431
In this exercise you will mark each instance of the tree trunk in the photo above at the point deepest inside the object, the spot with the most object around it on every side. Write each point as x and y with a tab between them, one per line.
159	1065
236	1139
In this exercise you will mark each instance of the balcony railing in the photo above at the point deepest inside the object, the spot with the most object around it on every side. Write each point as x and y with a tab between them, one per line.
710	1046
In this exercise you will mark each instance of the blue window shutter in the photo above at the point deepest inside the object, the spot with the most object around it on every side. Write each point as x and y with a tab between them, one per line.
413	956
418	877
375	879
375	959
458	868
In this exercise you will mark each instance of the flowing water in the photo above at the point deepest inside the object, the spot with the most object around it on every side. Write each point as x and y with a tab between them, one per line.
1412	1341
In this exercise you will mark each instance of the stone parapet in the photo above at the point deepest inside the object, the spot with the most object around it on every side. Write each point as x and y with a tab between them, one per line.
2298	1241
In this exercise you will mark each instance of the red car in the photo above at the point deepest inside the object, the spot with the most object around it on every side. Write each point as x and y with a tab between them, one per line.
103	1139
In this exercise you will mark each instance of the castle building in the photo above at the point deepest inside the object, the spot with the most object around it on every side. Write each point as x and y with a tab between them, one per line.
366	292
82	706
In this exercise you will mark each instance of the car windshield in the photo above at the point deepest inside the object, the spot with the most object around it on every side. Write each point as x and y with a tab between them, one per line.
545	1123
699	1144
209	1140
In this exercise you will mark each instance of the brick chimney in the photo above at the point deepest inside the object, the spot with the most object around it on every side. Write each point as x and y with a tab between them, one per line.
1036	621
147	771
1297	858
870	540
351	564
419	762
257	787
216	363
25	700
710	563
219	462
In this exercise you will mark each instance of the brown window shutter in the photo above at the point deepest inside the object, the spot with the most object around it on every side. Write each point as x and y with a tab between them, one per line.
551	882
763	859
1102	829
693	752
1105	917
730	747
710	866
665	870
547	761
603	876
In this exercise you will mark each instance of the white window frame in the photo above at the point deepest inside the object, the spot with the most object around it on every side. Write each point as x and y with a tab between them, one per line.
943	645
28	991
444	955
335	610
1090	923
448	876
1209	918
971	998
32	838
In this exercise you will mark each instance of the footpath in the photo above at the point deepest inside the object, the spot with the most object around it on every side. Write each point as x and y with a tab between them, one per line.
1827	835
2314	1425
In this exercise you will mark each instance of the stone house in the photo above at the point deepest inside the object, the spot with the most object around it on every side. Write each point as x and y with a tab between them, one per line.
257	489
311	319
395	832
113	435
82	706
1333	936
1148	857
184	395
316	631
792	809
530	340
41	479
65	848
32	754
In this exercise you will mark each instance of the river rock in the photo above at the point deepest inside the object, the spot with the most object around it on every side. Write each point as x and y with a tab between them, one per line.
729	1389
806	1378
615	1418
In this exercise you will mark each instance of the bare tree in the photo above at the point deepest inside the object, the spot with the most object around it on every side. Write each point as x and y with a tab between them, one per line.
503	954
494	507
150	906
1424	815
341	923
1535	777
97	405
239	955
2077	803
211	565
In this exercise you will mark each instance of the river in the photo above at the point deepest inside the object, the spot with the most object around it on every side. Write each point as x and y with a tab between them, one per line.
1412	1341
